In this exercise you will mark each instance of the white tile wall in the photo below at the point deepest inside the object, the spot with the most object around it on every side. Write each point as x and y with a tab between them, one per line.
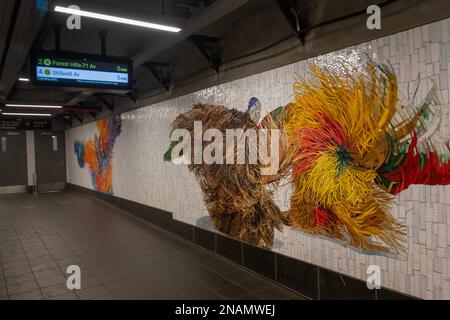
140	174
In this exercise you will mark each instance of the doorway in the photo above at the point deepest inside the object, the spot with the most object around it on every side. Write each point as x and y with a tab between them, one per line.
50	149
13	162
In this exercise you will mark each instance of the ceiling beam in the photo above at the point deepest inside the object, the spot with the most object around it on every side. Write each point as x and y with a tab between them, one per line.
95	109
80	97
209	48
106	103
68	121
77	116
161	71
24	33
210	14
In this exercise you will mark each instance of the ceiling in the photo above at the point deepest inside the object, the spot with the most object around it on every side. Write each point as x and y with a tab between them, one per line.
24	27
122	40
241	27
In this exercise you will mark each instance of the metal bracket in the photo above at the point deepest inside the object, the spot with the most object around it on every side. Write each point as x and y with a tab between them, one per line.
68	121
191	7
209	48
132	95
288	7
161	71
106	103
79	117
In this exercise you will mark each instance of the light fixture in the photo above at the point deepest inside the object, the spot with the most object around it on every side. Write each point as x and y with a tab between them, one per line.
20	114
105	17
24	79
32	106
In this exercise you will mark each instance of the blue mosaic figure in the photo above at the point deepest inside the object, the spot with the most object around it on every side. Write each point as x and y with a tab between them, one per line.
42	5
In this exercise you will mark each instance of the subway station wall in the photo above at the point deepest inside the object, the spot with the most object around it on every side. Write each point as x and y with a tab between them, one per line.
139	173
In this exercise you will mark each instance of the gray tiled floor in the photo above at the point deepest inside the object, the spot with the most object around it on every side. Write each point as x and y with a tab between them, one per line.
119	257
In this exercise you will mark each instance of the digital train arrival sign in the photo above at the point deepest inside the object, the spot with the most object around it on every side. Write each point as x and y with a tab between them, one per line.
81	71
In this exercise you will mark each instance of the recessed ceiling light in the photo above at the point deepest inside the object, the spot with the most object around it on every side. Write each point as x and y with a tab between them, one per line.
32	106
105	17
24	79
20	114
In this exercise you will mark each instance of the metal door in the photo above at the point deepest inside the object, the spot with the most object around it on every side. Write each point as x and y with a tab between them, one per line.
50	152
13	162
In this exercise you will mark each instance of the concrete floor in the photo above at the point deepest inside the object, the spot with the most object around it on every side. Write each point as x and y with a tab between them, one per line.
119	256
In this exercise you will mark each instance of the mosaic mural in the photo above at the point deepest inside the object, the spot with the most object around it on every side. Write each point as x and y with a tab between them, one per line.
347	146
97	153
419	57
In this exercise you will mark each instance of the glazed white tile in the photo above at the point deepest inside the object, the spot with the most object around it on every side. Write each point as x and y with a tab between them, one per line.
140	174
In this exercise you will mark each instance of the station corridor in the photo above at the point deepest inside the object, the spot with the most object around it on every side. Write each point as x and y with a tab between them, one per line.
237	150
119	256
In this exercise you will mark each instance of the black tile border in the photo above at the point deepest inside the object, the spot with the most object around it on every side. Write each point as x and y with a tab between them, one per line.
298	275
205	238
388	294
311	281
229	248
184	230
153	215
259	260
334	285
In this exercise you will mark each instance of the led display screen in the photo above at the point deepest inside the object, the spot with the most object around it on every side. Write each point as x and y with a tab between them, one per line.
24	124
80	70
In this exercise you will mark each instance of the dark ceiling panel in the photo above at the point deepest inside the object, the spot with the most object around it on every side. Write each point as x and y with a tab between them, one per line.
122	40
252	36
210	14
6	9
25	27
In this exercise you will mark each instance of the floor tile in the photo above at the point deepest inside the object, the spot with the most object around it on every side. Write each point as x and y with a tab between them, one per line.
29	295
119	256
22	287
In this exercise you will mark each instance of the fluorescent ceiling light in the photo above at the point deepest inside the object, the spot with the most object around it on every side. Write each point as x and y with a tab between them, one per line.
116	19
26	114
32	106
24	79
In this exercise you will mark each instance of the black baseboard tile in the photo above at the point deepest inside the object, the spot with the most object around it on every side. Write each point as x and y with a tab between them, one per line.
205	238
388	294
107	198
309	280
337	286
229	248
164	219
259	260
183	230
81	189
299	276
158	217
122	204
